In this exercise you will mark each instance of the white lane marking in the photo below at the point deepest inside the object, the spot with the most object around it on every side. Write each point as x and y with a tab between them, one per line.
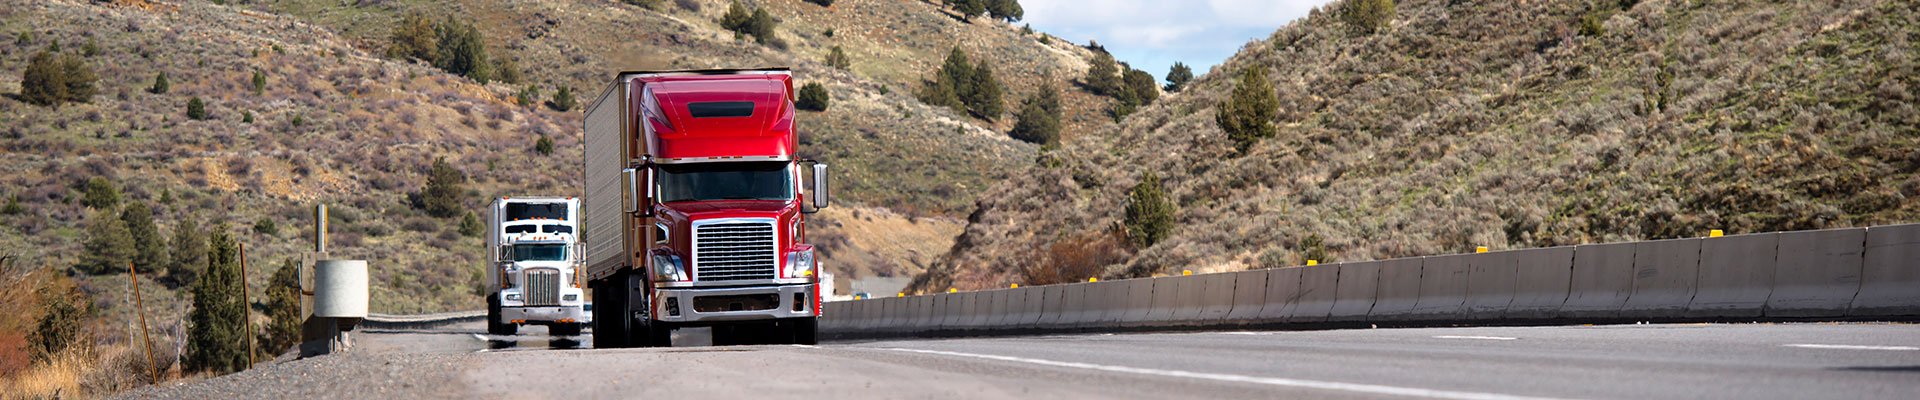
806	346
481	338
1476	337
1852	347
1301	383
1247	333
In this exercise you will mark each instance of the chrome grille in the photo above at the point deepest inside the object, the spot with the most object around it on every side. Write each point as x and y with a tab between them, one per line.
734	250
542	287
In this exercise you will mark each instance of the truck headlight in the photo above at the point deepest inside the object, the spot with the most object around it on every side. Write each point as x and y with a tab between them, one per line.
800	264
513	297
667	267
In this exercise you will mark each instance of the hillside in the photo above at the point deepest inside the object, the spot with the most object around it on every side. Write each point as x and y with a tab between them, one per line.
1499	124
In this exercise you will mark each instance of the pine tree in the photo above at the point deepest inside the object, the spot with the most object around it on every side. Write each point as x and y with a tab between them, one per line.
1039	117
562	100
1366	16
837	58
462	51
216	334
99	193
1145	89
950	84
1103	75
150	248
812	97
737	19
444	195
160	84
413	37
470	225
52	78
1149	217
189	253
282	307
970	8
762	26
1006	10
1248	113
1178	76
983	93
109	247
196	109
543	146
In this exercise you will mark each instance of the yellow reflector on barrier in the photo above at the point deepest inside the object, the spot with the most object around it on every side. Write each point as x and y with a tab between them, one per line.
1015	286
1093	279
1716	233
1186	272
952	290
1313	262
1481	249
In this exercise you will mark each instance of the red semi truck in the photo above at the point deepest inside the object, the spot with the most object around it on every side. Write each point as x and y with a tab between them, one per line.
696	209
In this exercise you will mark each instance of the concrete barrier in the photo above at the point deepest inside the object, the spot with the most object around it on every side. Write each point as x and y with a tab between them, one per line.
920	313
1602	279
1542	278
1249	295
1890	273
996	309
1108	300
1073	302
1282	297
1736	275
1399	289
1491	282
1664	276
1193	290
1353	296
982	307
1166	299
1819	273
1317	286
1217	296
1052	299
1443	286
895	315
1035	306
1139	302
944	310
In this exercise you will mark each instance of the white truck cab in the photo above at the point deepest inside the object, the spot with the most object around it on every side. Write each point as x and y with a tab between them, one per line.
534	265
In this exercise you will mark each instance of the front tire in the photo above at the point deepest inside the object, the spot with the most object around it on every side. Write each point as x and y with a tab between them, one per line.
565	330
805	330
609	314
494	325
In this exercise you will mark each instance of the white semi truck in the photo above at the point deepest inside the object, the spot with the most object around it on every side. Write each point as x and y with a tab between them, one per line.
534	269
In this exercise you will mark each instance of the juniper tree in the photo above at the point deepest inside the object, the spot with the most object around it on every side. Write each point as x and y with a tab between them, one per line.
1178	76
108	246
1149	217
1248	113
149	246
215	331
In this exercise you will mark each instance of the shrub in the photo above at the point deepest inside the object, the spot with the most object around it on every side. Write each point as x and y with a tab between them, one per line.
822	3
13	206
259	82
1103	75
1366	16
51	79
215	338
99	193
1142	86
1178	76
1039	118
1248	114
266	226
507	71
562	100
149	247
1149	217
470	225
526	95
1076	258
246	117
196	109
837	58
413	37
189	253
543	146
108	247
58	327
160	84
282	307
1314	247
813	97
461	51
755	22
647	4
1005	10
965	87
689	5
444	195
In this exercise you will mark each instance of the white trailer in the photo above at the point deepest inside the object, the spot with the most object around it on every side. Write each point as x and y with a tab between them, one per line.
534	265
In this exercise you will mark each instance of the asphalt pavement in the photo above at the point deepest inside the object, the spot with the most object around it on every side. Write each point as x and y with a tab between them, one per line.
1765	361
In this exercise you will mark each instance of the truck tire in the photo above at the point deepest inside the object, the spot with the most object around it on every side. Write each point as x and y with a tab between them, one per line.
564	330
805	330
609	330
494	325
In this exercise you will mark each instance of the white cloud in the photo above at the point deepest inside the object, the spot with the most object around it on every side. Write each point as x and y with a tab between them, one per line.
1151	35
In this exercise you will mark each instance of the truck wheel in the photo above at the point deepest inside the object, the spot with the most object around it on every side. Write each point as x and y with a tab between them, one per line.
564	330
494	325
609	331
805	330
659	334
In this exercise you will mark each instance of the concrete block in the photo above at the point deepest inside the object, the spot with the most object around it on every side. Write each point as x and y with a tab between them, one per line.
1890	273
1217	292
1443	287
1819	273
1542	278
1192	295
1283	296
1036	306
1353	295
1602	279
1073	302
1492	279
1166	299
1736	275
1109	302
1139	302
1399	289
1665	273
997	311
1317	286
1249	295
1052	300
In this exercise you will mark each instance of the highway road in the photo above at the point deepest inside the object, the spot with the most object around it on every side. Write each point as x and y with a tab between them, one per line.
1777	361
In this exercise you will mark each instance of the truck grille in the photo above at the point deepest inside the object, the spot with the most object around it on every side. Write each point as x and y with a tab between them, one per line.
734	251
542	287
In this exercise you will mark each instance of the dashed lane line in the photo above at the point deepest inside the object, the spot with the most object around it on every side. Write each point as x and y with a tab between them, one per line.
1851	347
1476	337
1298	383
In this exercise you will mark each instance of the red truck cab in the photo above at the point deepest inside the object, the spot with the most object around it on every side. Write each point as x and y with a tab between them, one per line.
696	209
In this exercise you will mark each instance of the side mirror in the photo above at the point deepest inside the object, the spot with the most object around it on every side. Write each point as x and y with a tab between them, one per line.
637	200
630	177
820	196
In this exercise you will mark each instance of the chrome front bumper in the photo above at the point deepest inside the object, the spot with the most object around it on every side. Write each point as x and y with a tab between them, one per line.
682	300
544	315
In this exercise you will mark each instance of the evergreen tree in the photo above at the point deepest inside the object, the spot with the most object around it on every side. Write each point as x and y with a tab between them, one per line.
109	247
983	93
189	253
1006	10
470	225
259	82
150	248
99	193
1178	76
812	97
1145	89
762	26
562	100
282	307
543	146
1103	75
160	84
414	37
1039	117
1248	113
950	84
58	327
738	18
1366	16
196	109
970	8
444	196
462	51
52	78
837	58
216	335
1149	217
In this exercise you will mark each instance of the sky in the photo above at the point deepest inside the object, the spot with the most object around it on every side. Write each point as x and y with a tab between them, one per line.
1151	35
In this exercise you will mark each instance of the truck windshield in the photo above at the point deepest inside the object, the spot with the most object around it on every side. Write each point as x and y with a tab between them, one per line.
726	181
526	211
540	252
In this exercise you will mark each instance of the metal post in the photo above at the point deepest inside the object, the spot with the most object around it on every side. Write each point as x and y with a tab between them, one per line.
141	308
246	306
